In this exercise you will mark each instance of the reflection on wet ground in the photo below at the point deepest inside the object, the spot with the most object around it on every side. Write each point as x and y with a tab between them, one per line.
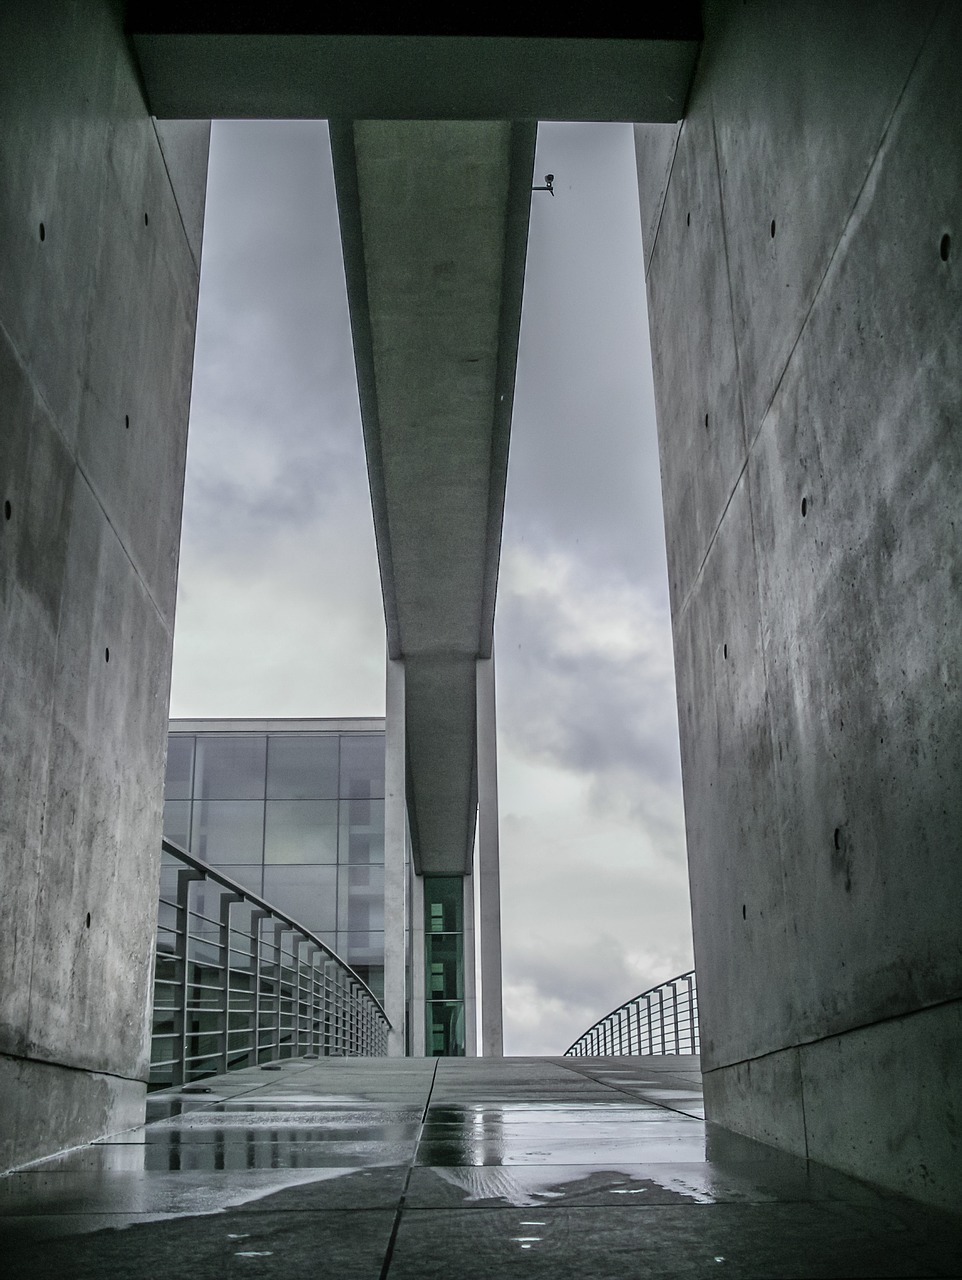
403	1168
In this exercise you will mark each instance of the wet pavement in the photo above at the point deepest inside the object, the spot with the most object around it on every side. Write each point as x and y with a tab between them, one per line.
374	1168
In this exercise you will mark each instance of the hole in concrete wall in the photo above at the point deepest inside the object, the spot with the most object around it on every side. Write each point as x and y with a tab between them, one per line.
725	650
773	228
146	221
43	232
804	507
688	220
106	655
7	510
706	421
744	912
838	837
945	247
127	421
88	919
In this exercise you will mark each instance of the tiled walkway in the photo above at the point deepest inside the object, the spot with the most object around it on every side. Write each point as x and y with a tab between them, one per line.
529	1167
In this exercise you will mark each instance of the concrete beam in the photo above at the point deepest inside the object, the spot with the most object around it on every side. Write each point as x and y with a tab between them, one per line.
434	220
236	61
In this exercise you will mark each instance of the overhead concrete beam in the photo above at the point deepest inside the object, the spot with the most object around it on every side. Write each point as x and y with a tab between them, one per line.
434	221
282	61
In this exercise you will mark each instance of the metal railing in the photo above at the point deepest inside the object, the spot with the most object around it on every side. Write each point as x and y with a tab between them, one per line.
662	1020
238	983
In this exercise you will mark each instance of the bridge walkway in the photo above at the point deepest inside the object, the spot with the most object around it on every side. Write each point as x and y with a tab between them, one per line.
384	1169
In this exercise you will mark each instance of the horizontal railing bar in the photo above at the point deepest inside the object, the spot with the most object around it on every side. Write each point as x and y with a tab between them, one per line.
245	895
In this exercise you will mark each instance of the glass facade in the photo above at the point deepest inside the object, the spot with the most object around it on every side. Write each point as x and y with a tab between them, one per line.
298	818
444	966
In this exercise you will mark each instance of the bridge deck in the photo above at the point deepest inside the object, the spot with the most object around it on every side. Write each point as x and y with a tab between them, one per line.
395	1168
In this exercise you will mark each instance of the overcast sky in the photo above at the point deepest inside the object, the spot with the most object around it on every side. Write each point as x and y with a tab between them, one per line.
279	609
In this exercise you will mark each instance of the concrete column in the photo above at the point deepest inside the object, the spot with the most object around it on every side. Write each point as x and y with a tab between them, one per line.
418	995
395	871
488	866
468	944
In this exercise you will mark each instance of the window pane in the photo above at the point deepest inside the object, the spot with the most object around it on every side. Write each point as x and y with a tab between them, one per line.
227	831
177	822
443	904
361	948
230	768
301	831
306	894
443	963
445	1029
302	767
362	831
361	898
180	766
362	764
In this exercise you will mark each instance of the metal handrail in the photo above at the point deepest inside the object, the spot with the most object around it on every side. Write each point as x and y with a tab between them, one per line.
228	997
670	1012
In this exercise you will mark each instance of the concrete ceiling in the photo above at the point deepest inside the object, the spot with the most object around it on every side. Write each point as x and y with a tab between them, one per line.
434	221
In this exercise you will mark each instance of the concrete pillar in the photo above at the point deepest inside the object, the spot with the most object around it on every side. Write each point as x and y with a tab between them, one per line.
806	370
488	866
468	943
395	861
100	226
418	1021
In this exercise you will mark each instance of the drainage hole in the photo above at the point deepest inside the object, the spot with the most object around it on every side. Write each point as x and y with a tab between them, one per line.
772	228
744	912
838	837
7	510
106	655
725	650
945	247
804	507
688	221
706	421
127	421
88	919
146	221
43	232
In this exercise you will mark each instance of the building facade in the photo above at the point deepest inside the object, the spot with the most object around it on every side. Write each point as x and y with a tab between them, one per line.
294	811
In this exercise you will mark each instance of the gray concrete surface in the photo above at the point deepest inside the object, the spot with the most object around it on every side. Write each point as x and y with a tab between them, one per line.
98	288
489	865
419	1167
804	295
434	226
201	63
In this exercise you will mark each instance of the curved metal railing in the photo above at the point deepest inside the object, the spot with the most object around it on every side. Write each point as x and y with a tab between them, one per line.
661	1020
238	983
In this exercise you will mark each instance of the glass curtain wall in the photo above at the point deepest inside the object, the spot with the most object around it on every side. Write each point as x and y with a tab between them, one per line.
297	818
444	965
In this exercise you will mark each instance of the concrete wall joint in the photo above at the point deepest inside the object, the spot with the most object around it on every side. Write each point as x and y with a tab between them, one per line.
851	1029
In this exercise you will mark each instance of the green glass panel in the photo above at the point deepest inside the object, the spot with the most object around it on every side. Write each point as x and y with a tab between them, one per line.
444	966
443	904
445	1029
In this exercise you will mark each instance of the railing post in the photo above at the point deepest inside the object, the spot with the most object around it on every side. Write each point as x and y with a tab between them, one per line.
257	933
674	1007
185	878
226	902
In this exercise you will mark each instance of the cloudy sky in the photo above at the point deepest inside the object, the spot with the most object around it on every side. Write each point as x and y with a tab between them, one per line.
279	608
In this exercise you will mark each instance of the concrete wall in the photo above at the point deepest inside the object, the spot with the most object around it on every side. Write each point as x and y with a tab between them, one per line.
804	246
98	285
